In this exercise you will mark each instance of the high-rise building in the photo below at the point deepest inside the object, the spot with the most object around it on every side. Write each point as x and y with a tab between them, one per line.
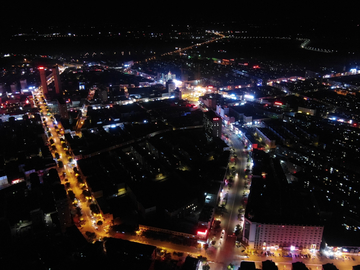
266	236
43	80
212	125
57	80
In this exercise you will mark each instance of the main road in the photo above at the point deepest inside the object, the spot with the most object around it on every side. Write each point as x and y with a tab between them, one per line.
66	173
235	199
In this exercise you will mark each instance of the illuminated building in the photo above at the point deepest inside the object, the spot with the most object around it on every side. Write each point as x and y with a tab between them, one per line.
246	137
43	80
82	86
167	77
275	236
211	100
307	111
3	179
267	136
212	125
222	111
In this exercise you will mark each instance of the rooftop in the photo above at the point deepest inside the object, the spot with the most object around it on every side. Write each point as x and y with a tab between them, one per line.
273	200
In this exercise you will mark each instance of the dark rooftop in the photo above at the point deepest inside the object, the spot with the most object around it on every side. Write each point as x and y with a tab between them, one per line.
190	263
118	246
272	200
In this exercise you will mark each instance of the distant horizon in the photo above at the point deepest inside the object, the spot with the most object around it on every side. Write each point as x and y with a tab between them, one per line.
303	16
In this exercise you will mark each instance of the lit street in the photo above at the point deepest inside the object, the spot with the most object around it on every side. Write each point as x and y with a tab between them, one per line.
67	175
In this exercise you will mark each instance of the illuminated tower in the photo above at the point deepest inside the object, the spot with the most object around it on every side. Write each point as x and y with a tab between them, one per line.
57	81
43	80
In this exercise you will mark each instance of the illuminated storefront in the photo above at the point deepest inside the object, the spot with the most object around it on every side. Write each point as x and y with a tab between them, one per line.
339	252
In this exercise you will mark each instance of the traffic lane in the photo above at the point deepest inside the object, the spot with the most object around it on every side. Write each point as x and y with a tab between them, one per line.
233	201
238	182
227	253
84	204
230	218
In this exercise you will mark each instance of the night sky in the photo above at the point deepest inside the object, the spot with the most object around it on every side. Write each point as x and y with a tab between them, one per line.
286	14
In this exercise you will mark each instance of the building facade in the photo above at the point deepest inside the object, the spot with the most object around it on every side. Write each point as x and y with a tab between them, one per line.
212	125
57	81
267	137
43	80
283	236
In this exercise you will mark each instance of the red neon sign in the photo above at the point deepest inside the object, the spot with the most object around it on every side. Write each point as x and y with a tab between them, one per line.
16	181
202	233
215	118
41	67
278	103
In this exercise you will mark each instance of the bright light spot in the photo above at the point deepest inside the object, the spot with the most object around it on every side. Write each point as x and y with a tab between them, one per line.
353	70
177	83
250	97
